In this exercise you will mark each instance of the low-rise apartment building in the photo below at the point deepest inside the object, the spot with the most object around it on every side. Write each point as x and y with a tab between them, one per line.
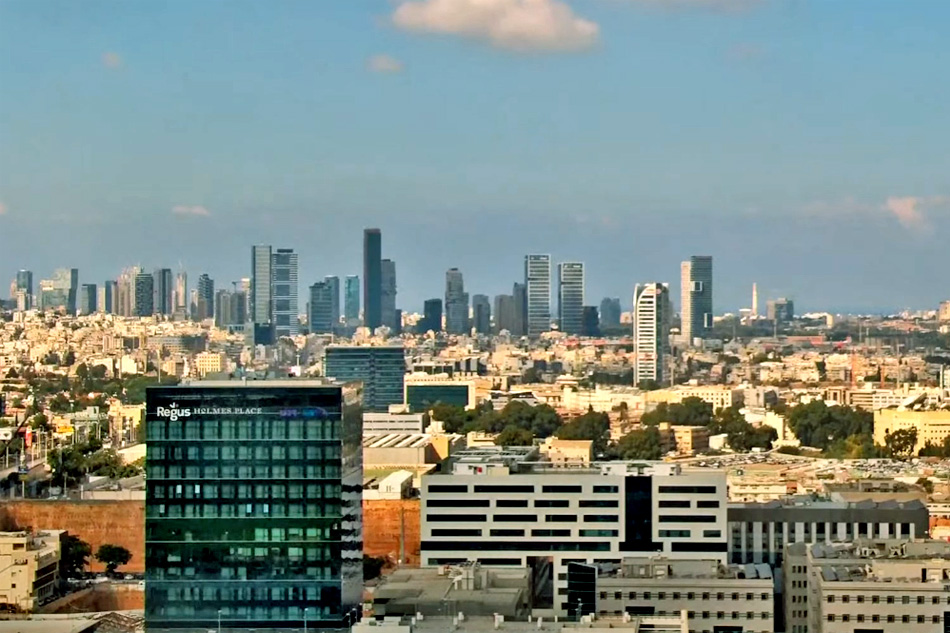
29	568
932	425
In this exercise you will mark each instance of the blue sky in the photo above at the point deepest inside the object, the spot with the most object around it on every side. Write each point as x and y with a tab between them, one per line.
803	144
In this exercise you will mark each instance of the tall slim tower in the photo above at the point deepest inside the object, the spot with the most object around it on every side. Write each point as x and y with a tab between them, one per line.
284	313
334	283
261	276
387	303
755	300
651	332
456	303
204	298
372	278
570	297
696	293
162	291
351	300
180	300
537	279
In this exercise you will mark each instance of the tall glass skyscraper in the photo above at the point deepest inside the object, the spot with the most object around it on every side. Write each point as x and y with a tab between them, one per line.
570	293
431	316
537	279
320	317
162	291
651	333
106	300
456	303
87	299
261	260
387	305
381	369
334	283
253	507
24	281
204	305
144	295
61	291
696	294
351	300
372	278
481	311
284	292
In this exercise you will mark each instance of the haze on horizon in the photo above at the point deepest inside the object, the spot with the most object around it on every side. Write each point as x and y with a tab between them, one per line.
802	144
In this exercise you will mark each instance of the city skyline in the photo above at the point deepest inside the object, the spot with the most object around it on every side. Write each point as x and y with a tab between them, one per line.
825	158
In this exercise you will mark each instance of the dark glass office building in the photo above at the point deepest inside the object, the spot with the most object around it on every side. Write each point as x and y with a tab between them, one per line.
381	369
253	506
423	396
372	278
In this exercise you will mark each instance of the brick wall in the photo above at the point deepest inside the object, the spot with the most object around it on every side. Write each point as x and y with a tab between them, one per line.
382	528
103	597
96	522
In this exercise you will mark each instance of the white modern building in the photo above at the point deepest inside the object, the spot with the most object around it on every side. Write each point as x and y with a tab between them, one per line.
385	423
503	507
651	333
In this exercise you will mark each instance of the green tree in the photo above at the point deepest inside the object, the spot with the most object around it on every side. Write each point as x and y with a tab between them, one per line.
648	385
372	567
74	556
857	446
592	426
514	436
900	444
936	450
817	425
113	557
642	444
69	358
691	411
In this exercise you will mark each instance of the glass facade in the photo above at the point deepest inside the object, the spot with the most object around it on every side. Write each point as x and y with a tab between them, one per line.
422	397
382	371
253	506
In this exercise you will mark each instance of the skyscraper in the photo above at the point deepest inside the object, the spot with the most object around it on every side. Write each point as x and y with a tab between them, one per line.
519	293
261	277
431	316
106	302
87	299
388	297
204	300
651	333
381	369
506	317
570	297
162	291
537	279
610	313
481	311
253	507
591	325
334	283
696	294
284	292
456	303
61	291
222	309
125	292
321	308
24	281
351	300
144	294
372	278
180	301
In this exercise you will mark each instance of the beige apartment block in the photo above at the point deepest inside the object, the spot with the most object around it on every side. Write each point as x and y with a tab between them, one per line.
932	425
29	567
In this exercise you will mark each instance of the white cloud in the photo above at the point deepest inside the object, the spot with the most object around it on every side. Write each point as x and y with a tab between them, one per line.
384	64
910	211
111	60
517	25
186	209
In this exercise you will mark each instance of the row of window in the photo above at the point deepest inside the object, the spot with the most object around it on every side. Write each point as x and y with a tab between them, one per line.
693	615
686	518
239	533
263	593
295	451
232	471
293	572
890	619
691	595
517	489
242	429
242	510
688	533
245	491
521	518
686	503
887	599
269	613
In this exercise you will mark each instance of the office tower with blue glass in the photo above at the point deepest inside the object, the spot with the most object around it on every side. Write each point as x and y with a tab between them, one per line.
381	369
87	299
284	290
144	295
253	506
431	316
351	300
570	297
163	290
320	317
372	278
204	306
456	303
696	294
537	281
481	313
334	283
387	304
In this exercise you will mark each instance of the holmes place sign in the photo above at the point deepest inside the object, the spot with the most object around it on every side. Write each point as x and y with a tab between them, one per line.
174	413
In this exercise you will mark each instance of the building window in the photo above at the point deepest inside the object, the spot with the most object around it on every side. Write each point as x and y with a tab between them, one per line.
551	503
875	618
606	489
673	503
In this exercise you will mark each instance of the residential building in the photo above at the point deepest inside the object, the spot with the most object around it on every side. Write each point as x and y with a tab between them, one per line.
334	285
321	308
284	287
887	585
456	303
381	369
106	297
780	310
163	290
500	506
759	532
570	294
210	363
431	316
719	396
351	301
537	280
29	568
87	299
253	511
696	288
610	313
387	302
372	278
144	295
932	425
690	439
262	261
715	597
481	311
651	333
204	300
61	291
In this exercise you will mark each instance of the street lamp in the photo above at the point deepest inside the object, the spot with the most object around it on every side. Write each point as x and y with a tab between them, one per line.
305	609
219	621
